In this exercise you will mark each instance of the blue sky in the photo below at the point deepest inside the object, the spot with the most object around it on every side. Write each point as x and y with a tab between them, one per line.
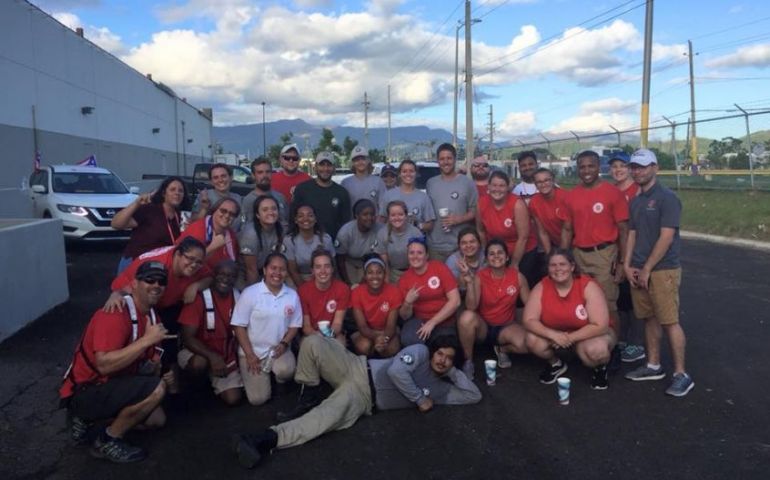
545	65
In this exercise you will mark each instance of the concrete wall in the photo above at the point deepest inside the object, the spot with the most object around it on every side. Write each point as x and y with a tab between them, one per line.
34	278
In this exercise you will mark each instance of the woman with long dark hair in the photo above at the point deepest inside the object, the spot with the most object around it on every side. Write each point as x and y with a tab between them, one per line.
305	236
261	236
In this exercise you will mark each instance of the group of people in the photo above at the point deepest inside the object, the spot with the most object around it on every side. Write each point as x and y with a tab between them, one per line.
381	291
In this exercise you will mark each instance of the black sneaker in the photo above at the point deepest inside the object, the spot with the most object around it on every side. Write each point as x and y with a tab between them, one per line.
552	372
250	449
599	378
79	430
309	398
116	450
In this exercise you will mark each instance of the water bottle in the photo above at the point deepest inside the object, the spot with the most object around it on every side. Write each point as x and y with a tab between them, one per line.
267	362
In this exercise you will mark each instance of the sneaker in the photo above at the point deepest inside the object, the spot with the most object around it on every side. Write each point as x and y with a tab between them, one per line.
645	373
632	353
79	430
309	398
503	360
552	372
247	452
468	369
680	385
116	450
599	378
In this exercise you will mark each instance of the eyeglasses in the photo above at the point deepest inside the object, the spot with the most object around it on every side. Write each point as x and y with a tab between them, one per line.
152	281
290	158
193	260
224	211
543	182
480	165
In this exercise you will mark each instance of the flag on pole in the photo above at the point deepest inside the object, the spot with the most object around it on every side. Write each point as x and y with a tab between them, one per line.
89	161
37	161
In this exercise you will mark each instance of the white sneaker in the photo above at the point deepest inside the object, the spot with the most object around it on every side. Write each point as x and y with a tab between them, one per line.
503	360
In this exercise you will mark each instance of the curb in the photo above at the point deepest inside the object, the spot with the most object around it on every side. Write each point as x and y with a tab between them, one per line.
737	242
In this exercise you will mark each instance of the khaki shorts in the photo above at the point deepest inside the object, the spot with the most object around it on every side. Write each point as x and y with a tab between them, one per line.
219	384
661	300
354	268
598	264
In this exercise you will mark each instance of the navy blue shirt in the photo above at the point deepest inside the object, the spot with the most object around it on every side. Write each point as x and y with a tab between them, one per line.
650	211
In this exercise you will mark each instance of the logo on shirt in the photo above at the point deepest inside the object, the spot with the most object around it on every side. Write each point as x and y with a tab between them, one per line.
415	211
434	282
247	251
283	248
511	290
331	306
454	195
385	307
598	207
581	313
407	359
288	310
651	204
373	193
374	245
507	222
335	201
336	243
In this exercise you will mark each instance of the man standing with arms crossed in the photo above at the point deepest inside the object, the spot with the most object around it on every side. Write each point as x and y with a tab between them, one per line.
652	266
330	201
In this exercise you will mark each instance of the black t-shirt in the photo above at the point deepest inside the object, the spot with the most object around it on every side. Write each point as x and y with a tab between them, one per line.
153	230
331	204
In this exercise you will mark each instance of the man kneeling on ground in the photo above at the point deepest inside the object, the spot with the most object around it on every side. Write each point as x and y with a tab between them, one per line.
115	372
417	376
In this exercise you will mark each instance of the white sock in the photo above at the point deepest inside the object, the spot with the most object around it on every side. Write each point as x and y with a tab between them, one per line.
654	366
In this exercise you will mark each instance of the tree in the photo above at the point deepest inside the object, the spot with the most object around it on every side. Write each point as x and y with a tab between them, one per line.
665	160
740	161
376	155
327	143
348	145
275	150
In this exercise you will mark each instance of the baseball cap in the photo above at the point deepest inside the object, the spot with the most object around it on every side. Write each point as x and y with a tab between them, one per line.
622	156
291	146
151	269
388	170
358	151
324	157
643	157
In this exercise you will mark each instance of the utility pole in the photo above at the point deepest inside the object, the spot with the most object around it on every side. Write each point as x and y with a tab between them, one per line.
460	24
646	74
618	132
491	132
580	145
390	151
264	137
748	139
673	148
366	121
469	146
693	136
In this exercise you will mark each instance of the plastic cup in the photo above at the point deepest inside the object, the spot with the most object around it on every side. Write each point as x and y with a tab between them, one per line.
443	212
490	367
325	327
563	385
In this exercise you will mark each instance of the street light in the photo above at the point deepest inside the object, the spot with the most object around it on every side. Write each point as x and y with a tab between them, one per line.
460	24
264	142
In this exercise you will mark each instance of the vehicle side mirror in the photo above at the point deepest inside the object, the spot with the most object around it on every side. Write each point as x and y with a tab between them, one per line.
39	189
134	190
250	179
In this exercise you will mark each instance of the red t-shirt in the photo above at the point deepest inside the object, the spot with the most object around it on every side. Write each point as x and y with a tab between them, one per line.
376	308
106	332
153	230
229	251
595	213
548	212
564	313
502	223
630	192
286	184
482	190
497	305
176	285
322	305
436	282
221	339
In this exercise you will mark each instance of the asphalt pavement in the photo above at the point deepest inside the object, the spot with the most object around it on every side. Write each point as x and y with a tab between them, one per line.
519	430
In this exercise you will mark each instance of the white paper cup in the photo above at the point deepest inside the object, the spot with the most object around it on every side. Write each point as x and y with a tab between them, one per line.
325	327
490	368
563	384
443	212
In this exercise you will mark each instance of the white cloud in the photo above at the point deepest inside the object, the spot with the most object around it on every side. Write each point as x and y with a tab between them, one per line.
612	105
751	56
101	36
594	122
517	123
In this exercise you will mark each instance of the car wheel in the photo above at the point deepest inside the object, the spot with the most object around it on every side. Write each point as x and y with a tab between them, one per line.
47	214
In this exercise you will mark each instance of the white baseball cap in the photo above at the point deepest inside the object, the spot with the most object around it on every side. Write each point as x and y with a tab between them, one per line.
643	157
291	146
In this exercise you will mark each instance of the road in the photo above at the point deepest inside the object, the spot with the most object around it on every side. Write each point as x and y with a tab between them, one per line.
720	430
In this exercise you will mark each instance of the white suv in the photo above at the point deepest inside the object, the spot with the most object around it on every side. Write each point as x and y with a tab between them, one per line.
84	198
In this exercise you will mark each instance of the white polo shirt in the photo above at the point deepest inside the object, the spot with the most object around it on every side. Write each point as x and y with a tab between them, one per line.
267	317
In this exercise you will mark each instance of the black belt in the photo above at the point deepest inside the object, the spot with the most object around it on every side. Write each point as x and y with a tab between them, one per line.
371	387
596	248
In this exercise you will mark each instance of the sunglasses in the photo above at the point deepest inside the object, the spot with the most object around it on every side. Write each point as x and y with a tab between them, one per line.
290	158
153	280
481	165
224	211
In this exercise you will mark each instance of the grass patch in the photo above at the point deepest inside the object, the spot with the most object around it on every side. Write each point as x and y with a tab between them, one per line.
729	213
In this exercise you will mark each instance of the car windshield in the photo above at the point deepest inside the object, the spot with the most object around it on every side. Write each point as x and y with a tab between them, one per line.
87	182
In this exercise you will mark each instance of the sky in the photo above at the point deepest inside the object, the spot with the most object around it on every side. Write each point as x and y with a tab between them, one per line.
545	66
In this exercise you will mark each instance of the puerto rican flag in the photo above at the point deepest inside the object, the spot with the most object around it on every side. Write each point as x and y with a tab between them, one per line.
89	161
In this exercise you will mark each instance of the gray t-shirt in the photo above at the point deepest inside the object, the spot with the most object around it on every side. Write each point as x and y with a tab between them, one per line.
418	205
649	212
300	251
370	187
394	245
457	196
247	207
451	262
214	197
404	380
248	241
351	242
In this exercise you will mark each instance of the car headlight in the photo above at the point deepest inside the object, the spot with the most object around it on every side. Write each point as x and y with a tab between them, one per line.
73	209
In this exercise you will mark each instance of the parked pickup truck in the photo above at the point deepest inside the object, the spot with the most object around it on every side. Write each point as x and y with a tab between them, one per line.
243	181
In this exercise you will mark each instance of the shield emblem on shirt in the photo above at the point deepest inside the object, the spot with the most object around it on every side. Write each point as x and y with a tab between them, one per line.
454	195
331	306
288	310
581	313
336	243
507	222
415	211
385	307
511	290
598	207
374	245
283	249
373	193
434	282
335	201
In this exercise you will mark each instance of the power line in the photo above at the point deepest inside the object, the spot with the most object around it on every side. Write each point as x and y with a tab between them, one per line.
494	8
729	29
